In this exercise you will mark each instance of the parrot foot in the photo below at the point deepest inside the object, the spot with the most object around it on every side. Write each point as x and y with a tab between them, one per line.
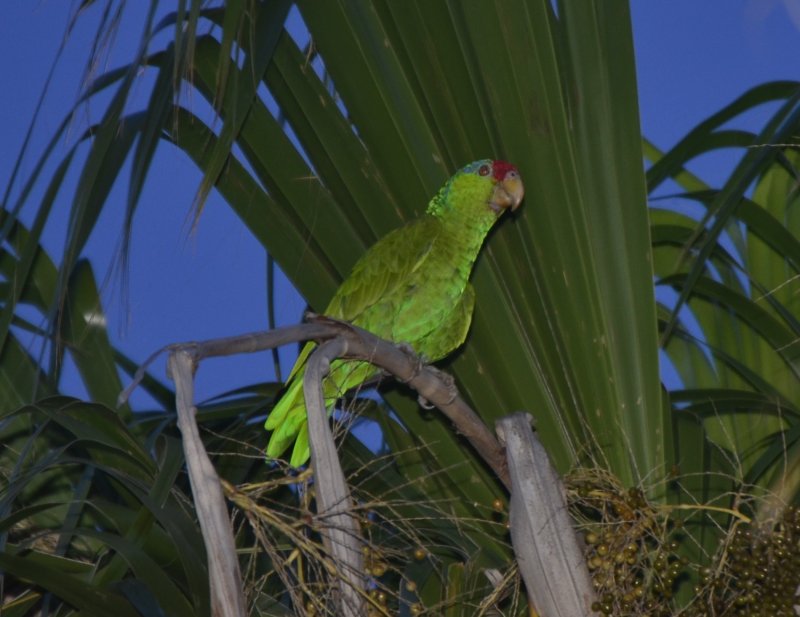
449	382
419	361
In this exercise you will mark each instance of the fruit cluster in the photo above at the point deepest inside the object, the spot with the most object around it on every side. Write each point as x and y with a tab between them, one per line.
758	573
631	548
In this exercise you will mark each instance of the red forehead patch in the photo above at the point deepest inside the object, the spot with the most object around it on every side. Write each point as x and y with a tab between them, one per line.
501	168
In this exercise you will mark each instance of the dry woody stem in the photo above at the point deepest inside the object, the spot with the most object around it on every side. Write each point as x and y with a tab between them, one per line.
339	528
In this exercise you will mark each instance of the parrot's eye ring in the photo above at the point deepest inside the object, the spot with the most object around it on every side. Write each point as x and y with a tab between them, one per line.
484	170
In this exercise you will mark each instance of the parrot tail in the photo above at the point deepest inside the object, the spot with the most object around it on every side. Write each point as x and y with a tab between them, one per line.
286	420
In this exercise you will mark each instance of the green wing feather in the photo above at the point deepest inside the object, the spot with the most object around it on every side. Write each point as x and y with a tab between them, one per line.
377	277
383	269
452	332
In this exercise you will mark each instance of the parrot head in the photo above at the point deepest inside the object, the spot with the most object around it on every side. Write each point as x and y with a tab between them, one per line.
491	185
508	190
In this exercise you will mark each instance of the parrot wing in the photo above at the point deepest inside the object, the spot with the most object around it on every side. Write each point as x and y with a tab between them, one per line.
384	268
381	271
451	333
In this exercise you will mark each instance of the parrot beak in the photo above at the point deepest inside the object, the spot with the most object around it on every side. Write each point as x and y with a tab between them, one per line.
508	193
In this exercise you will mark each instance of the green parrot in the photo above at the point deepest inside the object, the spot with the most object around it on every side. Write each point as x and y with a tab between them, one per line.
411	287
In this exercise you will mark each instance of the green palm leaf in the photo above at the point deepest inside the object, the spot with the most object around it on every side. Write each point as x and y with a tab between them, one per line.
372	116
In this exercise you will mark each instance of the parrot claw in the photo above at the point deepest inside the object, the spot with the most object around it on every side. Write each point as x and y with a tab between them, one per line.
446	378
449	382
425	403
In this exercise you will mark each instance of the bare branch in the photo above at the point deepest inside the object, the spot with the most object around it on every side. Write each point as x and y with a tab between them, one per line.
227	598
550	560
363	345
228	346
341	532
431	385
339	527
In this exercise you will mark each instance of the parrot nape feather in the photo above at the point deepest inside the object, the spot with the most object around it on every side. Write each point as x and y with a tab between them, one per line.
411	287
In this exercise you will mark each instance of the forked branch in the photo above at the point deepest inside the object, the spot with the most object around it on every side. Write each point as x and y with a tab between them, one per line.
340	529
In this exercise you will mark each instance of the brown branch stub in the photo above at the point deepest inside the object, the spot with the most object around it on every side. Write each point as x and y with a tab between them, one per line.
227	597
338	525
548	554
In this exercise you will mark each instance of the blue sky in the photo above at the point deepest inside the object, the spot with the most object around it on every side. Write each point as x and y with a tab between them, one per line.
692	58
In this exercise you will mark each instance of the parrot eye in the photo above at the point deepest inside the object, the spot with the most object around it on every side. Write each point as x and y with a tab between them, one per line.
484	170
